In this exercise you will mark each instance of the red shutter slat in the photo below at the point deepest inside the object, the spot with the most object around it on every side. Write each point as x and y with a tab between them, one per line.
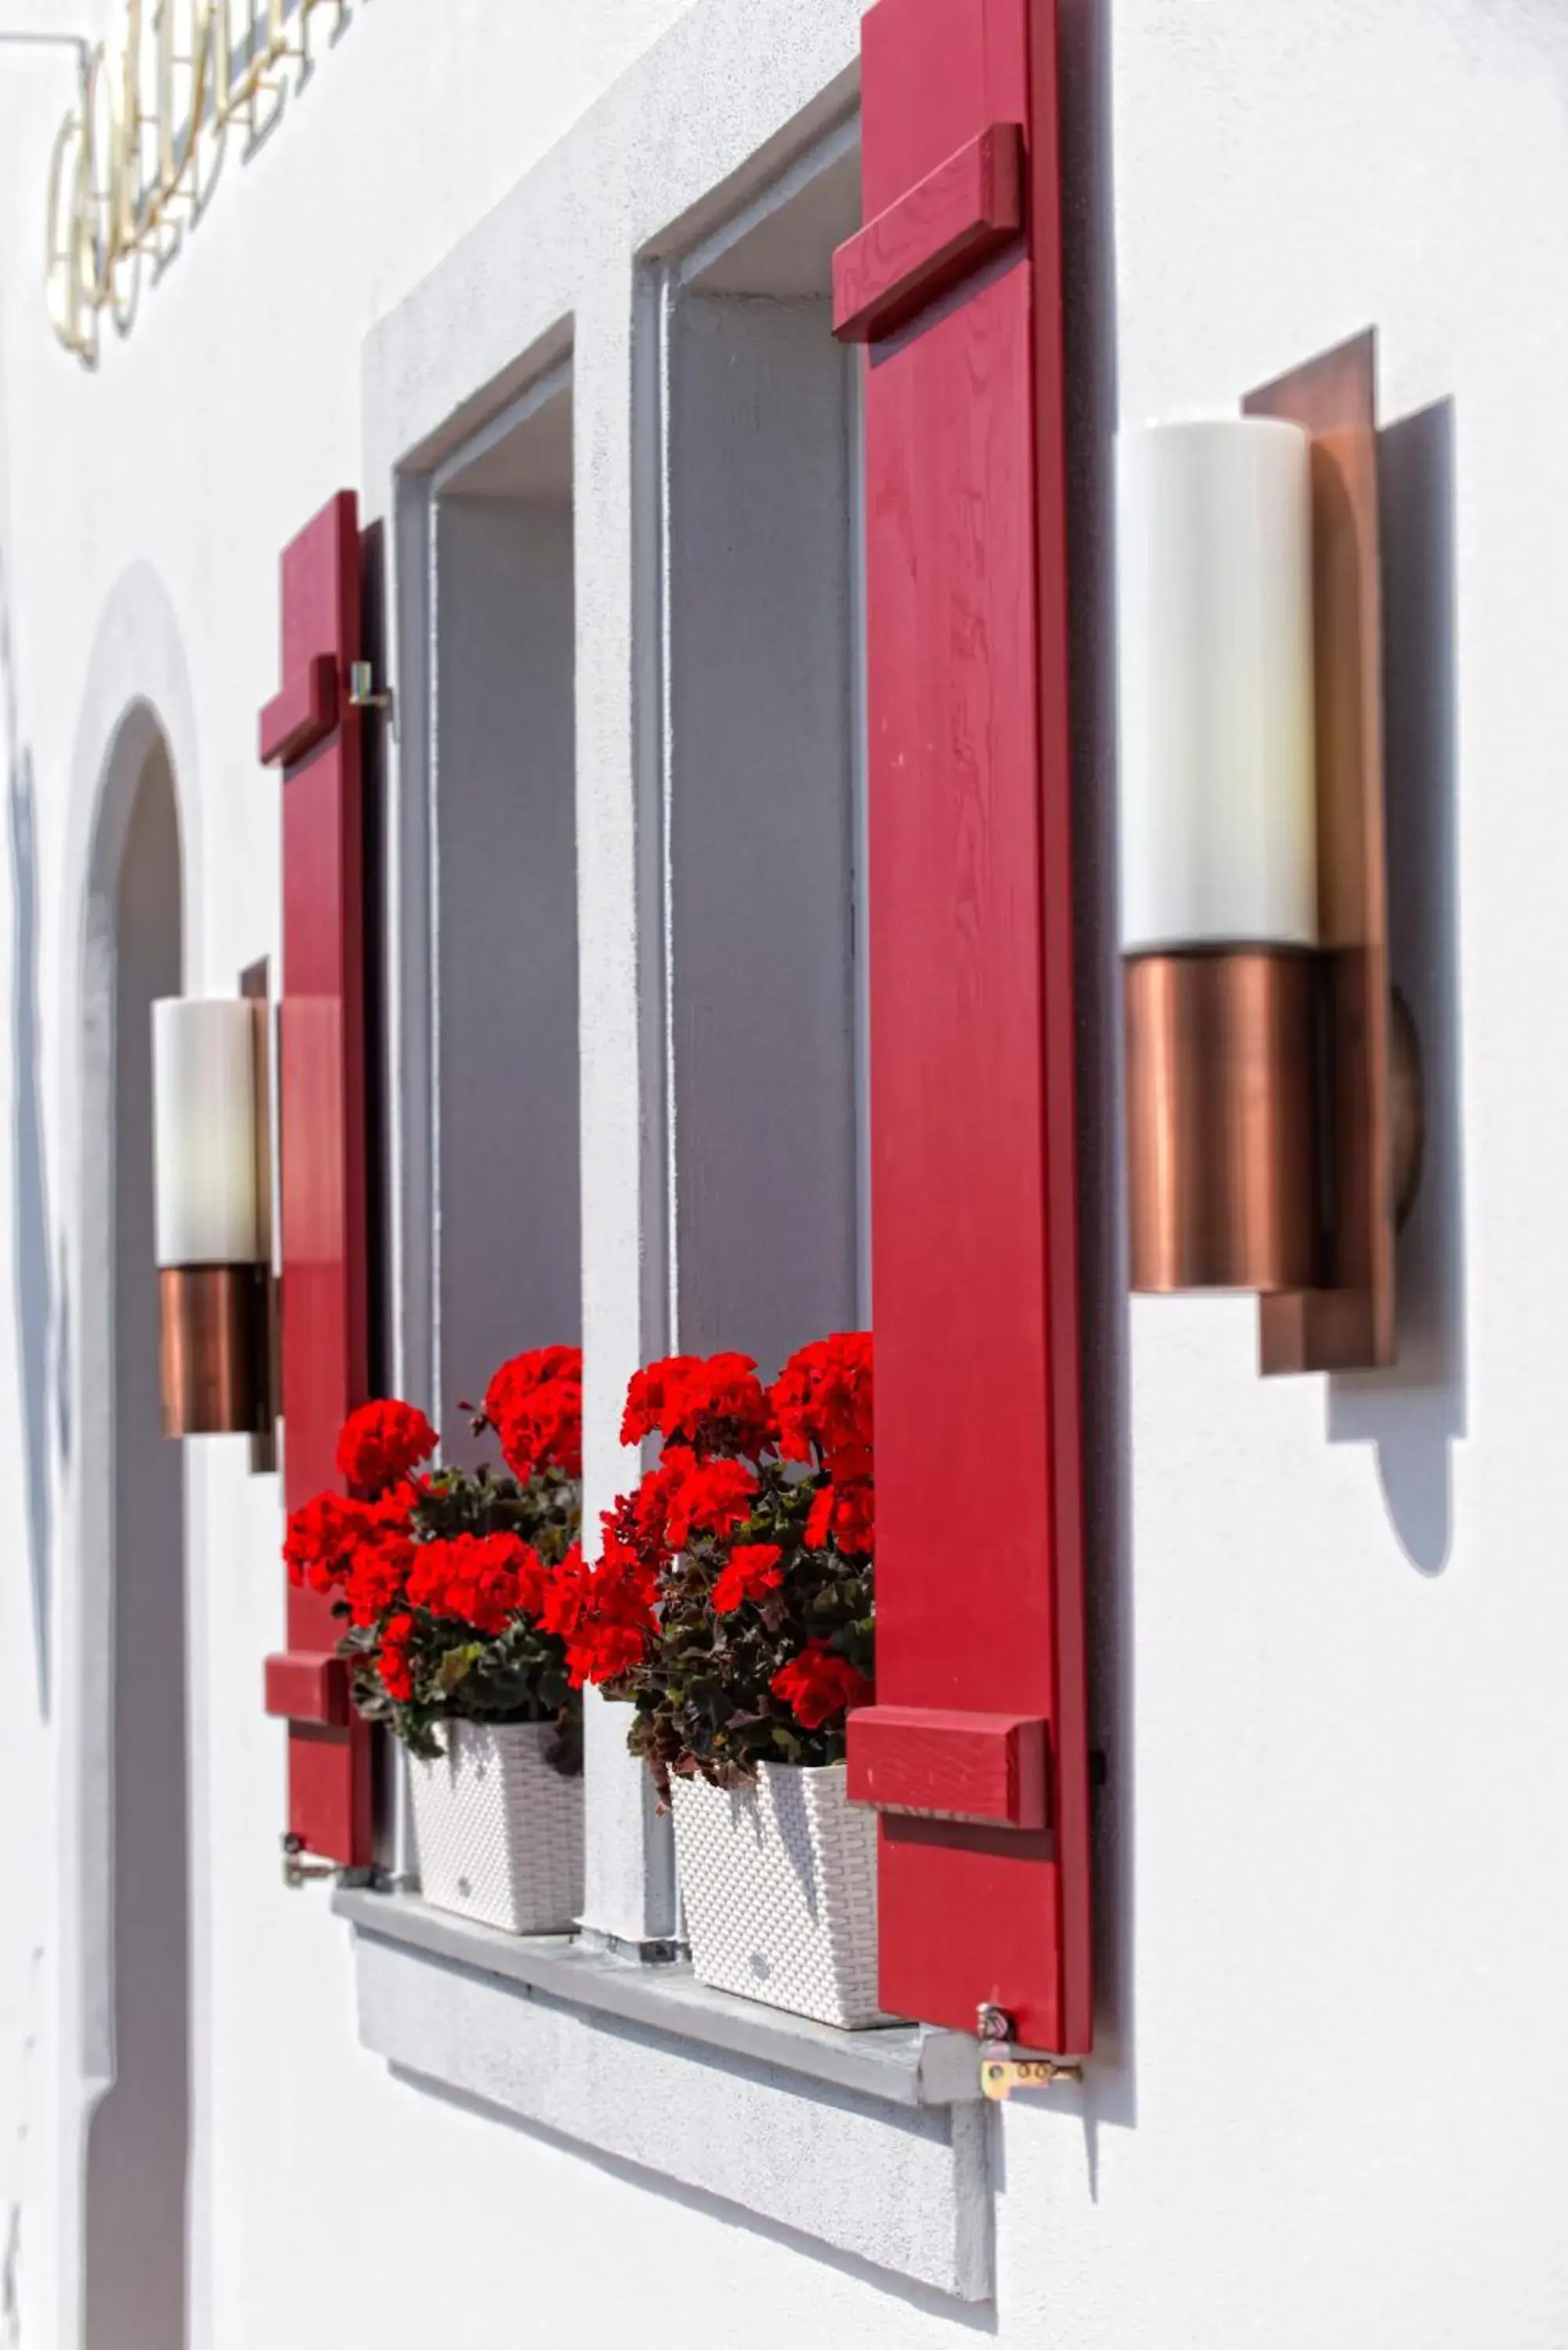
306	1687
314	731
979	1604
968	208
298	717
973	1766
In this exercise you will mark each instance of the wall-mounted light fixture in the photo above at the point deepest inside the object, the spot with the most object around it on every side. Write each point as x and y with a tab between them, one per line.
1272	1098
212	1214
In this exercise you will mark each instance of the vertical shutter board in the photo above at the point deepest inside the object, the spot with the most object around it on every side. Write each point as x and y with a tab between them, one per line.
322	1113
1059	960
975	1162
933	75
958	1218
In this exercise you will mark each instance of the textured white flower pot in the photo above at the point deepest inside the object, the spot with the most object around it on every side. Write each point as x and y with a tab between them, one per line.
780	1883
499	1831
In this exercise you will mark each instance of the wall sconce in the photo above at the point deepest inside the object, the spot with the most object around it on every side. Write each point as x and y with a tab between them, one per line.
212	1214
1273	1119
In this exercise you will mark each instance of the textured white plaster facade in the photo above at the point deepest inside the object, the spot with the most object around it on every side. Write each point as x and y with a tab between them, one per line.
1328	2103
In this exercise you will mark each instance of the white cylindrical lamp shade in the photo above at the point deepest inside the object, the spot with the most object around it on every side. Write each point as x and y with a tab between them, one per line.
1218	798
208	1211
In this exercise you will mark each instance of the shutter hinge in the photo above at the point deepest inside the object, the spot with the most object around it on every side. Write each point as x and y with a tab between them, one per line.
296	1869
363	693
1001	2073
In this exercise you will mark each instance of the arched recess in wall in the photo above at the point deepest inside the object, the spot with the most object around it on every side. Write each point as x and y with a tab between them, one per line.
126	858
133	1729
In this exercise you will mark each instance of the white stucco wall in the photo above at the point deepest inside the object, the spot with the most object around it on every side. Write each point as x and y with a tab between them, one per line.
1328	2103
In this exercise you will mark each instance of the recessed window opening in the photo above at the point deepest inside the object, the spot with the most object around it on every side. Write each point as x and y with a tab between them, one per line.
505	1018
763	790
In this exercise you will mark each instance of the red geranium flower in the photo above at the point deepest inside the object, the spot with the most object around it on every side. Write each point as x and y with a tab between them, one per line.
819	1683
392	1660
382	1443
603	1615
702	1497
753	1571
823	1401
377	1573
534	1404
322	1537
847	1515
480	1580
713	1403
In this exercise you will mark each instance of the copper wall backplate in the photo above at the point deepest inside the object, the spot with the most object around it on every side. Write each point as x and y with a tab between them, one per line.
1348	1322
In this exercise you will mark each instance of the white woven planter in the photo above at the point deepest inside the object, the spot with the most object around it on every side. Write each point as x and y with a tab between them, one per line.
780	1883
499	1831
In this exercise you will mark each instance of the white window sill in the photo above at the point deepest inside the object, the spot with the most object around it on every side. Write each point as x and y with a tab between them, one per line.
644	2064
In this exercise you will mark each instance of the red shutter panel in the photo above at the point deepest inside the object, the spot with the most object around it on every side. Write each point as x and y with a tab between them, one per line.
313	732
980	1711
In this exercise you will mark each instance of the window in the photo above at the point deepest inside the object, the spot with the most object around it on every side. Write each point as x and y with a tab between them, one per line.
762	768
721	1044
504	900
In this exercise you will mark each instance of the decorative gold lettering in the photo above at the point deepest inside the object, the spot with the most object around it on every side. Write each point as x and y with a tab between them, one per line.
184	75
120	174
71	309
126	169
103	146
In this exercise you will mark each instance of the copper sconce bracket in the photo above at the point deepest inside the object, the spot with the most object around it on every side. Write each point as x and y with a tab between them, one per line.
1345	1321
255	987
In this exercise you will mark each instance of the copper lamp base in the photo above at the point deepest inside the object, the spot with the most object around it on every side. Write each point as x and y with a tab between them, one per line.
212	1349
1222	1076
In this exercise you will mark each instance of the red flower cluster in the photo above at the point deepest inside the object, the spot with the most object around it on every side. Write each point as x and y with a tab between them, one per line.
824	1403
603	1615
734	1603
819	1683
753	1572
377	1575
823	1398
534	1404
714	1404
440	1579
325	1536
479	1579
847	1515
685	1496
382	1443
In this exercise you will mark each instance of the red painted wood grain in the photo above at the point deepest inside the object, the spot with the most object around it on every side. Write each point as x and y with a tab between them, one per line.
972	1766
974	1150
960	214
322	1140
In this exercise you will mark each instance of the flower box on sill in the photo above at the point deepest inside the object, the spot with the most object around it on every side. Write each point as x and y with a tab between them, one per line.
498	1829
445	1580
779	1878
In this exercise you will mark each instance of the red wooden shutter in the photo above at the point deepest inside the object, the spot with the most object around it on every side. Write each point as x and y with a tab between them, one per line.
956	283
312	733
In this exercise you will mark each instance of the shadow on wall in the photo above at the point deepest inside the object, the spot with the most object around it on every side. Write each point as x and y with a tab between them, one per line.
1108	2097
1414	1413
31	1250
